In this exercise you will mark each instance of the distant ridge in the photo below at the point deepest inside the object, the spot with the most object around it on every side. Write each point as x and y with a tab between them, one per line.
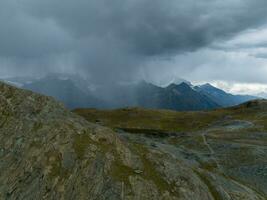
221	97
180	95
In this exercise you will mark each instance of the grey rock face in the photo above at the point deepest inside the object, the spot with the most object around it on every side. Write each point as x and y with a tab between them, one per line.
48	152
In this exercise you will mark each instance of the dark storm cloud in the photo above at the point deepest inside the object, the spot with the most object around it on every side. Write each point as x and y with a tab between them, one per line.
114	38
153	27
24	36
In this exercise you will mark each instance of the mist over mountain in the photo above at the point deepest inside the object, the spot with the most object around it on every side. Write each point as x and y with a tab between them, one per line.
77	92
134	40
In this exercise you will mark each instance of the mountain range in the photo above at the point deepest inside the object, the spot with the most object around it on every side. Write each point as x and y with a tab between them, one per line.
221	97
76	92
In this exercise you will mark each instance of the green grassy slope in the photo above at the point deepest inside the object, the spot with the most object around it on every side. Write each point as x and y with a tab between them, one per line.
171	121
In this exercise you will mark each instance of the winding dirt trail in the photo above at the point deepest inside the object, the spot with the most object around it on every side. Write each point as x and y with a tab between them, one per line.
212	153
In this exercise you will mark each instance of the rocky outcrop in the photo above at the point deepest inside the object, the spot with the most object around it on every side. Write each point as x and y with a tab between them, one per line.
47	152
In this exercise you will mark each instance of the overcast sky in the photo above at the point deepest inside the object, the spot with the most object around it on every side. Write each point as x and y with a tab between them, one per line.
219	41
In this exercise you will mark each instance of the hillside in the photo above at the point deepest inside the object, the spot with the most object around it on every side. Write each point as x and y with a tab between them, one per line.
170	121
47	152
226	147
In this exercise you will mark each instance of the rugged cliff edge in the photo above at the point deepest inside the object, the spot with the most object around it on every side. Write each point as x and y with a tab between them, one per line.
47	152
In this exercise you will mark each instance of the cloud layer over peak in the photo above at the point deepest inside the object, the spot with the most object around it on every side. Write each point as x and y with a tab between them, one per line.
121	39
